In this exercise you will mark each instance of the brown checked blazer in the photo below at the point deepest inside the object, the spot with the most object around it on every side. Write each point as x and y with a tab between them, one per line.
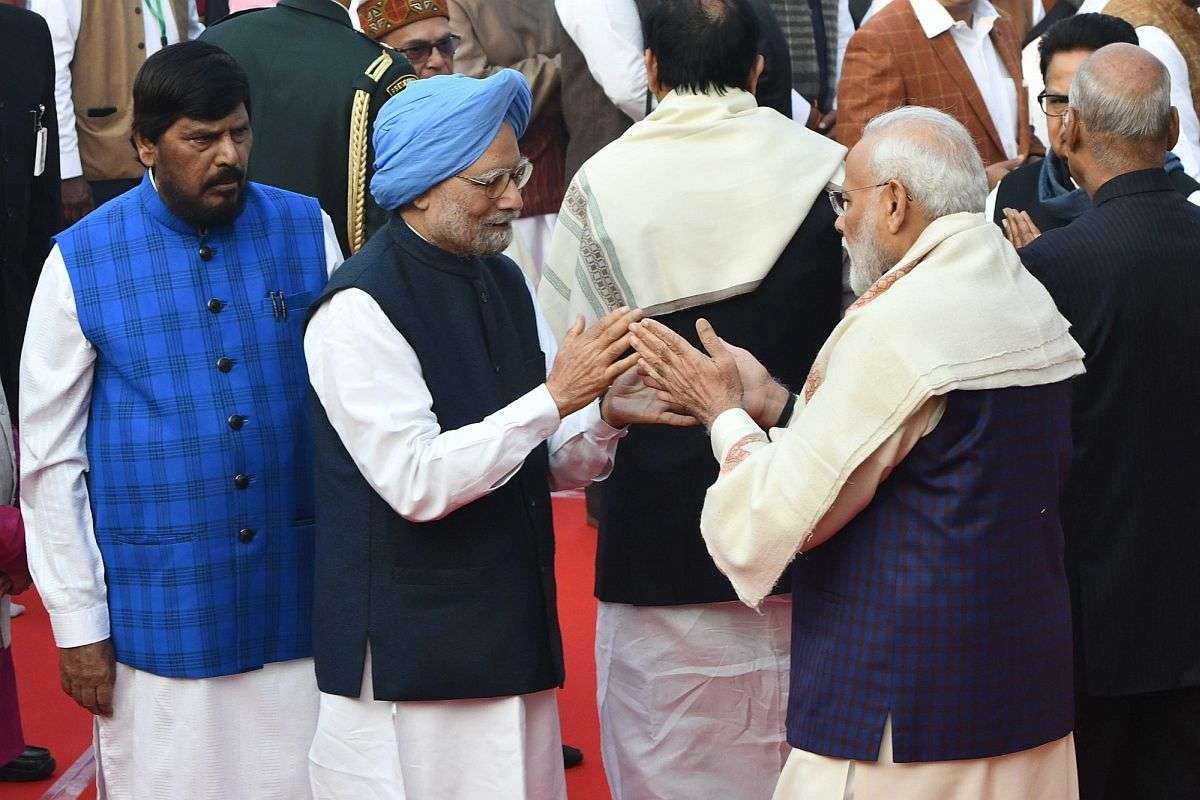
891	63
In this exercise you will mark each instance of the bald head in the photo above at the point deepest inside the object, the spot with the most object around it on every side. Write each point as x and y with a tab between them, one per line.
1122	96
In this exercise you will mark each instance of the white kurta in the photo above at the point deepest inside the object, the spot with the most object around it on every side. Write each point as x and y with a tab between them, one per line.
693	699
168	737
369	381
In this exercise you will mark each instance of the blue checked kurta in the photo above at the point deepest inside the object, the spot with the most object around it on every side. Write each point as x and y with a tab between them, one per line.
200	480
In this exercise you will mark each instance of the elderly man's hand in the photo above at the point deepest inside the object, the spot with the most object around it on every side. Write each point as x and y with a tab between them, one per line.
87	674
590	360
704	386
630	401
13	584
1019	228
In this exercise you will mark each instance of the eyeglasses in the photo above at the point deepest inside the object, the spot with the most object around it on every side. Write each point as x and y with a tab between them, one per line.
837	197
419	52
495	183
1053	105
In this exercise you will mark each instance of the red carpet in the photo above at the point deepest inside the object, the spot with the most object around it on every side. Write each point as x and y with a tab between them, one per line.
53	720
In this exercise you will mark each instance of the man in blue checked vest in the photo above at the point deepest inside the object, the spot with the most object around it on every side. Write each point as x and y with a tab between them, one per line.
915	481
167	462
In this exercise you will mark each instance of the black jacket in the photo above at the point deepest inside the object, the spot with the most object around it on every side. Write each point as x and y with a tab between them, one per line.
1124	275
29	205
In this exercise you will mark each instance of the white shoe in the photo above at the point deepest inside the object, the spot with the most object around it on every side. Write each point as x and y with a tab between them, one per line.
15	610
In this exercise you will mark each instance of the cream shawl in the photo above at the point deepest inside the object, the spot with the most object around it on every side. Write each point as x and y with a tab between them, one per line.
959	311
691	205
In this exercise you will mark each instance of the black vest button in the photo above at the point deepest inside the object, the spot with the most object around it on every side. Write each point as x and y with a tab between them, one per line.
236	421
241	480
483	295
206	253
246	535
215	305
224	364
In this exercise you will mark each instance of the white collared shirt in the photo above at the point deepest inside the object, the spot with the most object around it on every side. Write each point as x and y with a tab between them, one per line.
983	60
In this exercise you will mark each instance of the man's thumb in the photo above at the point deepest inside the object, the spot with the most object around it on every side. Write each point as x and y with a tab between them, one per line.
712	343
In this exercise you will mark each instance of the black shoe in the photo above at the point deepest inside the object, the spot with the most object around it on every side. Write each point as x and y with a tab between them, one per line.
572	756
35	764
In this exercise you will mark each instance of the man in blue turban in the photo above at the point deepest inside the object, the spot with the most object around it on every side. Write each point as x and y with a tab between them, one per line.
445	413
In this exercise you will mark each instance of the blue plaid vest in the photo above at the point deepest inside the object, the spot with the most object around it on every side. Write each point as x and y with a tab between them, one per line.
945	602
200	459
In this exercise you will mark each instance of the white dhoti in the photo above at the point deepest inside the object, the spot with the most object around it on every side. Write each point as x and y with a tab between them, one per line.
1043	773
693	699
239	736
501	748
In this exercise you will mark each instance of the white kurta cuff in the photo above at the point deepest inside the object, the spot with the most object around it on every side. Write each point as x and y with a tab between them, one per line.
77	628
729	428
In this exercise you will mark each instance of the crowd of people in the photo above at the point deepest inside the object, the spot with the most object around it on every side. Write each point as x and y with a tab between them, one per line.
865	325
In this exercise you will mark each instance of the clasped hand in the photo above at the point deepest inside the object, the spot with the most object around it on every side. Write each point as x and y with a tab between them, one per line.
705	386
594	359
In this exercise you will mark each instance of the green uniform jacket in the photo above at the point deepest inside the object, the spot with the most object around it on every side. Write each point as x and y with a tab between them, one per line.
305	63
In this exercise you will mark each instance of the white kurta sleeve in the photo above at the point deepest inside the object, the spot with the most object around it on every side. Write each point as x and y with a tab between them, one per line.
1165	50
609	34
57	366
369	381
195	27
62	17
333	250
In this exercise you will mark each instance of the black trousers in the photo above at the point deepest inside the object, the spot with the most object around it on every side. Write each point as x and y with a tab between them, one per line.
1139	747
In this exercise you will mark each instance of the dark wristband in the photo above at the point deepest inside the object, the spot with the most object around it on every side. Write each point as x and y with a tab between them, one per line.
785	416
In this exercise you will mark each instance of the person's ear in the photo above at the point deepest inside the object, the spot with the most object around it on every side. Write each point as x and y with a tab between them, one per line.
422	201
652	83
1173	129
147	151
756	72
897	209
1070	134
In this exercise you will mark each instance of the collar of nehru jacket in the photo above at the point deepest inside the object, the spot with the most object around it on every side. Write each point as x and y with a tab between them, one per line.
329	9
439	126
936	20
1138	182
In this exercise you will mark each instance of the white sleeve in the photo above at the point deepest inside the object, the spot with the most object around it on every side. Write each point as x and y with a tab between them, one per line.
845	23
609	34
989	205
584	447
369	381
333	249
1165	50
57	366
62	17
801	108
195	27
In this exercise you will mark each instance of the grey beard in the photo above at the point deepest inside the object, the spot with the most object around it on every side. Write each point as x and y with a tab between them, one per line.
867	265
475	238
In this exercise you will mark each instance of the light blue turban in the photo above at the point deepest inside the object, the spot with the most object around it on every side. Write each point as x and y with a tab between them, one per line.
439	126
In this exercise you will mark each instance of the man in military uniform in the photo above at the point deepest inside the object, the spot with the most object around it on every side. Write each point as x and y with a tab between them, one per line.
317	85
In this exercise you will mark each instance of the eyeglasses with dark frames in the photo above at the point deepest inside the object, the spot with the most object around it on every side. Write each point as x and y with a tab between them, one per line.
419	52
837	197
1053	105
495	182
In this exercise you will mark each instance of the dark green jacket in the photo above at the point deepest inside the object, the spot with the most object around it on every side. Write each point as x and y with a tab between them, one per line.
305	62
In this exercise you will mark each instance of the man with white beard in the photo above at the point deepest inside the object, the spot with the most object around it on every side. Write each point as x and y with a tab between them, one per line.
920	475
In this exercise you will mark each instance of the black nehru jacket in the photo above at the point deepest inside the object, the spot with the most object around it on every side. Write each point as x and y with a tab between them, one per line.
650	551
1018	190
1124	276
29	204
464	606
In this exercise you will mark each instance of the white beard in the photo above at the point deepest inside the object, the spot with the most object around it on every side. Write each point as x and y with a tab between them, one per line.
868	262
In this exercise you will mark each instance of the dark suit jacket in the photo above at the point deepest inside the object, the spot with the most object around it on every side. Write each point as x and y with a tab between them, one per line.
1063	9
29	206
1124	274
775	85
305	61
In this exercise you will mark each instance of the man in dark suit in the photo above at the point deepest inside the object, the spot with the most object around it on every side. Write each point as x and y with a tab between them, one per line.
29	199
1124	275
317	85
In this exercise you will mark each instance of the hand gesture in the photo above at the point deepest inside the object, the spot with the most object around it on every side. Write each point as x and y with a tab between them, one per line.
702	385
996	172
87	674
1019	228
590	360
630	401
77	200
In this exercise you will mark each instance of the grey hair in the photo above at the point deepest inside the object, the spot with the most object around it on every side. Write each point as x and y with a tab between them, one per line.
932	156
1111	107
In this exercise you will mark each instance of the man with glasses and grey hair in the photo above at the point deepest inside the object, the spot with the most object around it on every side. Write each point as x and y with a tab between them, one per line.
1124	274
918	482
444	414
